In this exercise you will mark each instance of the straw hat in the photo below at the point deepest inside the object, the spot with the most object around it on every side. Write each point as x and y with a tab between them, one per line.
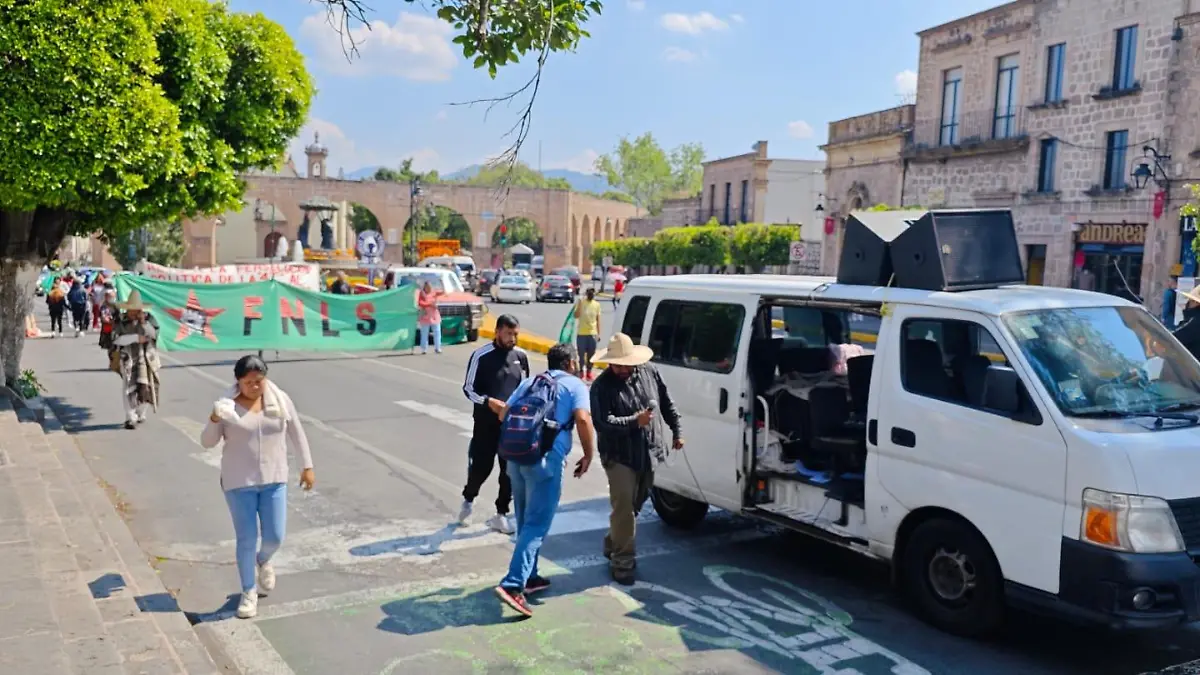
622	352
134	303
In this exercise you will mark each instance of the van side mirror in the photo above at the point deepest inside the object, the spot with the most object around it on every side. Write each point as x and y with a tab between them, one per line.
1002	390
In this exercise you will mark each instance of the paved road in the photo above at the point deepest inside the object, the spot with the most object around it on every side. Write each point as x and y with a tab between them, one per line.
546	318
374	579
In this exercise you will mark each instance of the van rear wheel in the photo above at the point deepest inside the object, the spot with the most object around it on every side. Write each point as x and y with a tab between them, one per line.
677	510
952	578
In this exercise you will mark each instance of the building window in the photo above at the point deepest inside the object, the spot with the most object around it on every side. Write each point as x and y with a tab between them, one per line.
697	335
1114	160
745	196
1056	56
1125	59
951	104
728	199
712	201
1007	75
1047	157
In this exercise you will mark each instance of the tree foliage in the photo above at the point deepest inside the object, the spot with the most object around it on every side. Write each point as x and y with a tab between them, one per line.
649	174
439	222
160	242
121	113
520	231
362	219
519	175
405	173
751	245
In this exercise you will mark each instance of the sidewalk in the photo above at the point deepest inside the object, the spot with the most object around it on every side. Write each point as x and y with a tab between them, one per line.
78	595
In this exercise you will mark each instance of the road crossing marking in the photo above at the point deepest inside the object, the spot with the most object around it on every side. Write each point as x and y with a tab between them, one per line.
191	428
448	415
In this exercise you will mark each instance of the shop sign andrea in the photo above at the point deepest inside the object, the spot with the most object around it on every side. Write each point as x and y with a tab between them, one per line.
1125	234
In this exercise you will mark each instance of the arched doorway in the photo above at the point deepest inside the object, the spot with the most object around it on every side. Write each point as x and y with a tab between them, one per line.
270	243
434	221
363	219
518	230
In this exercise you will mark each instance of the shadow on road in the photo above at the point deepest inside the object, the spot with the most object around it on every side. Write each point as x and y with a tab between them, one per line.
71	416
424	544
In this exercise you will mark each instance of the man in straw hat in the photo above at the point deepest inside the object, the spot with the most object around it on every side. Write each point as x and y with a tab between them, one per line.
135	336
630	404
1188	332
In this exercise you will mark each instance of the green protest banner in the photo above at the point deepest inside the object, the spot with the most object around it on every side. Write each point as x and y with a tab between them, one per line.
273	315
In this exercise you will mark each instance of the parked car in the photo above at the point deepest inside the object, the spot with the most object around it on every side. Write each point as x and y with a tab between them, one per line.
513	288
571	272
557	288
483	285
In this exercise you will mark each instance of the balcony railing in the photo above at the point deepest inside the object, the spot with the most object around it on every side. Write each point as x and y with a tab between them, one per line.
978	131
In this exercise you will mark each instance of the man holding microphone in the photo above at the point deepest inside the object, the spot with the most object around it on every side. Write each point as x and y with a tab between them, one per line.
632	412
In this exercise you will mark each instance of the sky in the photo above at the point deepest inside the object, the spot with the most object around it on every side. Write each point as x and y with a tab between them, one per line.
724	73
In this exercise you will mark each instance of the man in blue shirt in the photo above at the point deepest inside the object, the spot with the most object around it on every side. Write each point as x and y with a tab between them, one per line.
537	487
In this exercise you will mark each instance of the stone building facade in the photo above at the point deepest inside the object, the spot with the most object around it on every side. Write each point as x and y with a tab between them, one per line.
1045	107
753	188
863	168
678	212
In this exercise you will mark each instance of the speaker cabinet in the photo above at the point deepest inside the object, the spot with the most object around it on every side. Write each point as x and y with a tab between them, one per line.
958	251
865	260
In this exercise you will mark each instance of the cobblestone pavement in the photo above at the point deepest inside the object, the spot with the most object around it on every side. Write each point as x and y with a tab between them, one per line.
77	594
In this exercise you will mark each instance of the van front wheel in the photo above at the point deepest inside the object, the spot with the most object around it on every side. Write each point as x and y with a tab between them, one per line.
951	576
677	510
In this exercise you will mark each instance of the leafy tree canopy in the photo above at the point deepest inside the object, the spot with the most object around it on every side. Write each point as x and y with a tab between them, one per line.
649	174
519	175
405	173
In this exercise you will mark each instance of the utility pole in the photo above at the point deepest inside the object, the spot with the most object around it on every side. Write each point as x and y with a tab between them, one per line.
414	191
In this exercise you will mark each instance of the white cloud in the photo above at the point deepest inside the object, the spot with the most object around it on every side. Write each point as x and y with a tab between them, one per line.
679	55
737	18
692	24
636	5
800	129
441	115
584	162
416	47
425	159
906	83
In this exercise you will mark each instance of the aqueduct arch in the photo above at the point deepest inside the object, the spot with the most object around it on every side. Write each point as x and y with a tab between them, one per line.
569	222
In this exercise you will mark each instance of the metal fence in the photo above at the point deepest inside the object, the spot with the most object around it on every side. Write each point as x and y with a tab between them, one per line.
966	128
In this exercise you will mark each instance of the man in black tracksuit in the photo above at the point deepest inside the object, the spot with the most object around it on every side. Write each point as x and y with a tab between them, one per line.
493	373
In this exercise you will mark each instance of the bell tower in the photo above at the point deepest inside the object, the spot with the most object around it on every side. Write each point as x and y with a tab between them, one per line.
316	154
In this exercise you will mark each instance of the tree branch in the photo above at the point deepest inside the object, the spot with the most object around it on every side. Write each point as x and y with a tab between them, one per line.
524	122
342	15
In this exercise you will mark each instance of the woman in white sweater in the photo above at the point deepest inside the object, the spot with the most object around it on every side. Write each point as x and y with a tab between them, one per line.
258	422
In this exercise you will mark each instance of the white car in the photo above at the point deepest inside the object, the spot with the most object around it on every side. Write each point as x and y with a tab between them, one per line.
513	288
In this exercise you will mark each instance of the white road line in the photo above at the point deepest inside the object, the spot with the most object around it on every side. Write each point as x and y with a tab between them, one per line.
192	429
450	493
550	568
247	647
440	412
344	545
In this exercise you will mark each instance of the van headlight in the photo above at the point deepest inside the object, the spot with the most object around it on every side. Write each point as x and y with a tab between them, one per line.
1129	523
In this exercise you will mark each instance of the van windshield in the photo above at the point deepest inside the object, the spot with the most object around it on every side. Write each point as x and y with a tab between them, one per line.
1107	361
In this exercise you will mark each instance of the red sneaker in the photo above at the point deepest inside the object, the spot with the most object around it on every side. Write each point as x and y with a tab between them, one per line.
536	584
515	599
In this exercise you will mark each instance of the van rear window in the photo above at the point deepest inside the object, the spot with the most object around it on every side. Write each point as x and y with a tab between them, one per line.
699	335
635	317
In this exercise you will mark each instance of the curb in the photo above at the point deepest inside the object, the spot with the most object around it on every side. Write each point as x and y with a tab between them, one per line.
526	341
140	578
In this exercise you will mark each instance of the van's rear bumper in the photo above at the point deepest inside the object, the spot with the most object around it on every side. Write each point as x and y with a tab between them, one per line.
1097	586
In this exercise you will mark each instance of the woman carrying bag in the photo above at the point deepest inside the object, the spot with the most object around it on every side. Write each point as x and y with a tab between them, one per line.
258	423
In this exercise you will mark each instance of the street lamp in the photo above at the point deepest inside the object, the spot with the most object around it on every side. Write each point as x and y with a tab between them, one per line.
1152	169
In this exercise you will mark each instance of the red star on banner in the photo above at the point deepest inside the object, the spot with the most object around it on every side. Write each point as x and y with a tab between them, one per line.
193	318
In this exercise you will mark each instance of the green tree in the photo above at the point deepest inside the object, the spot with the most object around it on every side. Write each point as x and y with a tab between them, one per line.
519	175
405	173
648	174
129	112
754	246
520	231
362	219
160	242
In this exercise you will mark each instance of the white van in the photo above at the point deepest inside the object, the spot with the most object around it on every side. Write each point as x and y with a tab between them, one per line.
1011	446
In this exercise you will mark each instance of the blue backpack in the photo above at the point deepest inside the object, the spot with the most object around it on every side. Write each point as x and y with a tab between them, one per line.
529	429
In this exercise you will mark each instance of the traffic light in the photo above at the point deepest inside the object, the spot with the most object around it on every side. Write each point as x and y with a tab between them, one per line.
503	235
503	229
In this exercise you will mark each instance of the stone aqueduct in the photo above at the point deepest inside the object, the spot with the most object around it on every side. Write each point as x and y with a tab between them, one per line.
568	222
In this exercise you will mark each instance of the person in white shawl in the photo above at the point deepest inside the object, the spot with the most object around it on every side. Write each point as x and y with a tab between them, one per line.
135	337
258	423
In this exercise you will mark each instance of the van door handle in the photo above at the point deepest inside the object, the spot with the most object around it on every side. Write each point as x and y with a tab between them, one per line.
724	404
904	437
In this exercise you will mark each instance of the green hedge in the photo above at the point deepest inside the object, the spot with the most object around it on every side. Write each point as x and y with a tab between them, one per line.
750	245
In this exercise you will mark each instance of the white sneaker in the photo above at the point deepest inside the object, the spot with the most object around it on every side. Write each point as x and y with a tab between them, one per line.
464	514
502	524
53	335
266	577
248	607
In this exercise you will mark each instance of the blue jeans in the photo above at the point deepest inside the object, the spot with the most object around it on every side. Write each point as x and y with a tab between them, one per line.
437	336
249	506
536	489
